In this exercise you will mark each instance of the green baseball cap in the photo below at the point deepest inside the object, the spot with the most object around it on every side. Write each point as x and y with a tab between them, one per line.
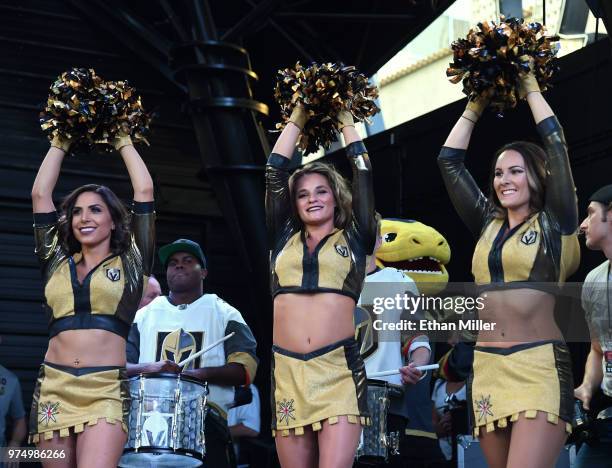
182	245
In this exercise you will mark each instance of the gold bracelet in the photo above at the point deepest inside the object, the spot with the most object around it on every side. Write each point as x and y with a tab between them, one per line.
464	117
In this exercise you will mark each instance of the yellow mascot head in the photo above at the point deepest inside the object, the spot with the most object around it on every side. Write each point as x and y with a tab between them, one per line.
418	250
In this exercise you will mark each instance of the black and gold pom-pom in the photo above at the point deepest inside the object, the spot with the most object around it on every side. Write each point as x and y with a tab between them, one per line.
491	59
83	107
323	90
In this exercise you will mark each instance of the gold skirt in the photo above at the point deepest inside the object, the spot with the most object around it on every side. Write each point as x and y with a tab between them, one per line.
68	398
309	389
522	379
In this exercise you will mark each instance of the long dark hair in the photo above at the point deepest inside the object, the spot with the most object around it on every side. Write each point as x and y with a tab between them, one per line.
120	236
535	166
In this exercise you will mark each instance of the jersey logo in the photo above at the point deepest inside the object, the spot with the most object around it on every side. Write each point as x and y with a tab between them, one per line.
113	274
529	237
365	333
342	250
178	345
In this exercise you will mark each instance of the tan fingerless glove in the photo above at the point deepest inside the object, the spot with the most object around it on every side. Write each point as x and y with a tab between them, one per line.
345	119
299	116
529	83
475	108
62	143
121	141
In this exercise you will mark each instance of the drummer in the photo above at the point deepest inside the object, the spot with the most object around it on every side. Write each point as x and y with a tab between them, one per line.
172	328
382	349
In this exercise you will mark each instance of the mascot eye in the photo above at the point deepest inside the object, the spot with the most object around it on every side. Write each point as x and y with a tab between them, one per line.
390	237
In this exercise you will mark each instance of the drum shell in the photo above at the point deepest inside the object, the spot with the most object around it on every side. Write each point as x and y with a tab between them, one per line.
160	430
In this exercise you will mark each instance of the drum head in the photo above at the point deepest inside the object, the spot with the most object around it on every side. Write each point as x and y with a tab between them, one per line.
163	385
154	458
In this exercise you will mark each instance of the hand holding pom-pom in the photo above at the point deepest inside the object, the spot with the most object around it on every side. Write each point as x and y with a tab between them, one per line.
325	92
84	112
528	82
495	60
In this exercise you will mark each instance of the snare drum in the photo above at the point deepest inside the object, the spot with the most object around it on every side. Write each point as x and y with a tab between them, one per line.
166	422
377	443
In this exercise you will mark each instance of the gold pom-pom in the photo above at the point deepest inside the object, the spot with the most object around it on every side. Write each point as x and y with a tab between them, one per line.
491	59
323	90
92	112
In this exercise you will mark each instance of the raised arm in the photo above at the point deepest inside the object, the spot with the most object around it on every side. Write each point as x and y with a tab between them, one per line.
141	180
467	198
142	225
363	184
278	203
561	199
46	178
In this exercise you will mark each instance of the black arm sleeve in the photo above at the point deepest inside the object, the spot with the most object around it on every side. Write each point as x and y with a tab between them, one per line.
278	201
46	242
143	232
561	199
363	194
132	349
469	201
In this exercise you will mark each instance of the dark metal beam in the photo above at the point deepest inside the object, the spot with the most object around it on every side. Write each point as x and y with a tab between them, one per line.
174	20
325	51
288	37
256	16
347	17
135	35
203	23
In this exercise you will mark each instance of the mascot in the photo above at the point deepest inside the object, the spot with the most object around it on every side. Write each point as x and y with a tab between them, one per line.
418	250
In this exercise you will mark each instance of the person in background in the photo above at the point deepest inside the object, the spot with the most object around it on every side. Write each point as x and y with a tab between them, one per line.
11	406
244	422
597	303
152	291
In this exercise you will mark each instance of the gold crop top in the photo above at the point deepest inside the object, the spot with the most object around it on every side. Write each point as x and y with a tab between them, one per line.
110	293
544	248
338	262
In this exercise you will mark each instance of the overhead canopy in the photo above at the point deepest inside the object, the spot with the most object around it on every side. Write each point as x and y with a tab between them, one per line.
364	33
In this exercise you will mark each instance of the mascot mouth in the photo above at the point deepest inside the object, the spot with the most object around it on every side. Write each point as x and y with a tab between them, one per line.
426	265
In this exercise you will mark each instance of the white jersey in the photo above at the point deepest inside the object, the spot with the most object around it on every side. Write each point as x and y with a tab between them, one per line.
383	350
597	304
163	331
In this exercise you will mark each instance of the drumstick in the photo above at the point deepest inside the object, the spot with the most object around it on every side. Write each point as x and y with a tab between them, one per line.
396	371
208	348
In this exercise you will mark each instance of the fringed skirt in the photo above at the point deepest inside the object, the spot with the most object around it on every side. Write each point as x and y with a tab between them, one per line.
309	389
67	398
521	380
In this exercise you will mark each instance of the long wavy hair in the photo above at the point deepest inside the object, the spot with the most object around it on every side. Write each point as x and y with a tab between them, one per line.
535	166
340	188
120	236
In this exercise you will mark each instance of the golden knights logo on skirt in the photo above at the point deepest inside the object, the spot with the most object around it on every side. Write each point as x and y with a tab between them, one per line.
178	345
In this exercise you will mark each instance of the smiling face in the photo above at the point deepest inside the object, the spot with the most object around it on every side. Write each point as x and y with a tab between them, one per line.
314	199
92	223
510	181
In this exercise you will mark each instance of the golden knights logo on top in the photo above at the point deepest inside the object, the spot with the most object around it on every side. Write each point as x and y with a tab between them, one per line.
178	345
113	274
529	237
342	250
